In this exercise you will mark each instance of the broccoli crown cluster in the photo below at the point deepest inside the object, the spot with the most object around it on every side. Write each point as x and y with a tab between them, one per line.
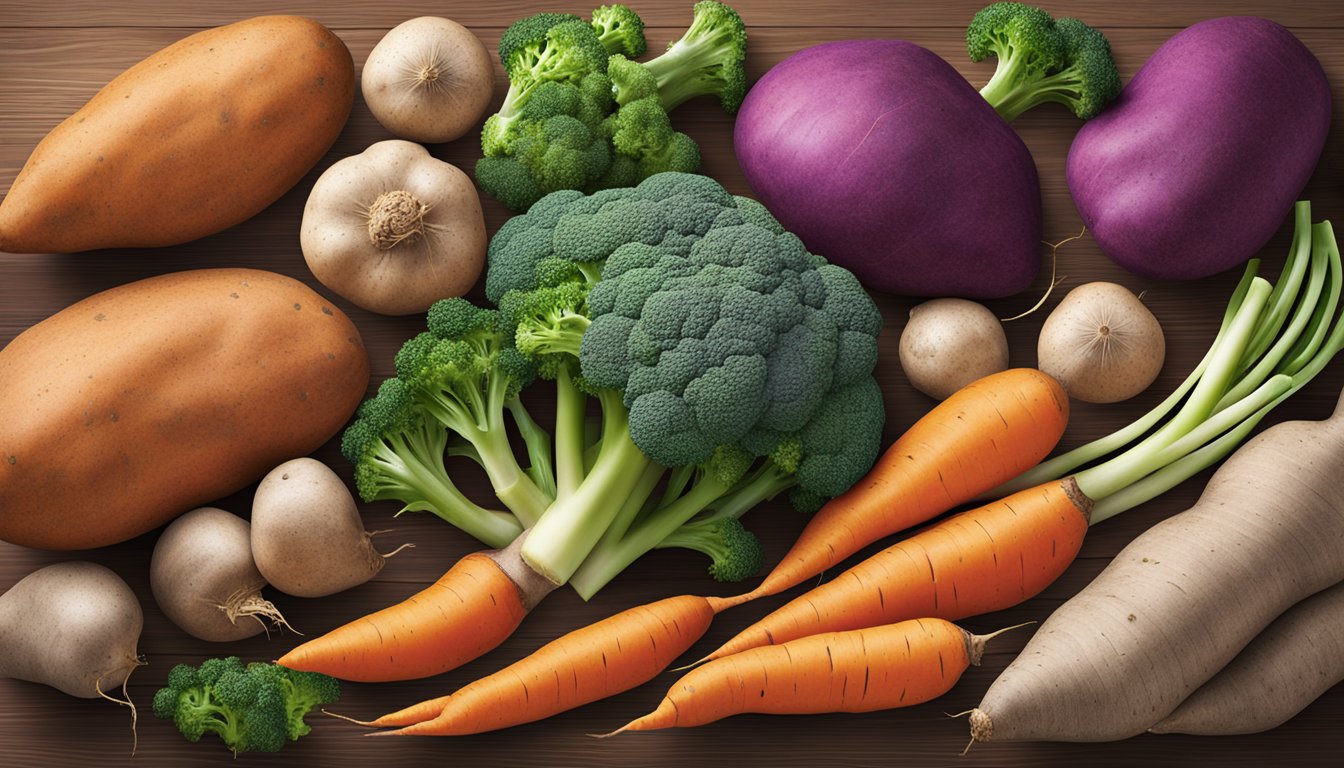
1042	59
717	325
255	707
580	114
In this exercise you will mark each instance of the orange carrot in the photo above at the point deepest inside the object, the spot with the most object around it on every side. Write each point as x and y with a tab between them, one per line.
982	560
591	663
469	610
862	670
985	434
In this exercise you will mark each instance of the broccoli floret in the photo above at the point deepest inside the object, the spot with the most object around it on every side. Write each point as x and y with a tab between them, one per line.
252	708
620	30
707	60
575	118
734	552
467	375
397	450
1040	60
641	131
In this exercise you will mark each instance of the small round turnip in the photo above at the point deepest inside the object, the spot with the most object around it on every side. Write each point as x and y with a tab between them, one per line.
204	579
429	79
73	626
1102	344
307	536
948	343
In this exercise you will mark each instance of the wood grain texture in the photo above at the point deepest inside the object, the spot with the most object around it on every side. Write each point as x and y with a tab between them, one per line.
54	56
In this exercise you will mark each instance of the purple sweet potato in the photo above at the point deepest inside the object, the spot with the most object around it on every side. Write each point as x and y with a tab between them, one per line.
1197	163
883	159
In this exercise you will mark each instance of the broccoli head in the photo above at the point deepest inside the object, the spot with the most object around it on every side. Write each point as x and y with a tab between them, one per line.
1040	60
252	708
734	552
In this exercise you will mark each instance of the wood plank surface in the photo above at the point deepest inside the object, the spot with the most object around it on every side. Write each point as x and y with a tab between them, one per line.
55	55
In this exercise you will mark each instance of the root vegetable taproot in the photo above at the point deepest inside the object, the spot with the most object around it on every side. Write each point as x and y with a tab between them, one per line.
588	664
473	607
864	670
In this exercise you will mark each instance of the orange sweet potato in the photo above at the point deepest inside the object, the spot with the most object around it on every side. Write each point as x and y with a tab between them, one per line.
137	404
194	139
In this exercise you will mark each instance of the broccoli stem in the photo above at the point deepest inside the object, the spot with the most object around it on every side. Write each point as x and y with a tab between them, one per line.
608	559
1011	98
571	407
688	69
571	527
541	465
634	507
402	465
766	483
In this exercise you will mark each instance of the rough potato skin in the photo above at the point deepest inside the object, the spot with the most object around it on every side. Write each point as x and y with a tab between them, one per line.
134	405
197	137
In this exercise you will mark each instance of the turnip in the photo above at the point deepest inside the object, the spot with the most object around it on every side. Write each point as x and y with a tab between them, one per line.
307	536
948	343
1102	344
1177	604
1286	667
73	626
1197	163
429	79
204	579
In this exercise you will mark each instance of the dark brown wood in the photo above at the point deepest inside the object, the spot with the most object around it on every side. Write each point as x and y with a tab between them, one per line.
53	56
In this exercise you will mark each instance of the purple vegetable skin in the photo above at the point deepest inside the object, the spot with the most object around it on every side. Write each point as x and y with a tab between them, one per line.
1198	162
883	159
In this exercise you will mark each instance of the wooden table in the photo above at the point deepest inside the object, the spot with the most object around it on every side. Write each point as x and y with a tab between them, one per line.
54	55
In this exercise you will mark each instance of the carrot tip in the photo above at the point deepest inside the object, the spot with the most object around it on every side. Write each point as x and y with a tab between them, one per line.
394	732
720	604
608	735
365	723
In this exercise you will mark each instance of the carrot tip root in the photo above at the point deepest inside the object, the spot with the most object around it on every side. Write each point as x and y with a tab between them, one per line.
365	723
609	735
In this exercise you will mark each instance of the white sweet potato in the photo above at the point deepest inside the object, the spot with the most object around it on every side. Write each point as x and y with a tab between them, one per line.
1184	598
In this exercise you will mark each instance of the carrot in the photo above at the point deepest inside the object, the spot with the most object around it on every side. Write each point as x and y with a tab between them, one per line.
985	434
897	665
471	609
590	663
982	560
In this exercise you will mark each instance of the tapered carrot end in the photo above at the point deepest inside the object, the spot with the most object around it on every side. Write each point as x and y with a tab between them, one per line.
365	723
609	735
721	604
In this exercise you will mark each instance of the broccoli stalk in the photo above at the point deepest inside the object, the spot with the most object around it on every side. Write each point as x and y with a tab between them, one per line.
252	708
705	61
1040	59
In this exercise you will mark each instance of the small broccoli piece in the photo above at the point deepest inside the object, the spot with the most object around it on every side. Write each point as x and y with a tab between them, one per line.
528	31
1040	60
252	708
734	552
620	29
641	131
707	60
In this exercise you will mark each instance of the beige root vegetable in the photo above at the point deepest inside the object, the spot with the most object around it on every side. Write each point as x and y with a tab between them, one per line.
1295	660
307	536
73	626
948	343
1102	344
1184	598
203	577
393	229
429	79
